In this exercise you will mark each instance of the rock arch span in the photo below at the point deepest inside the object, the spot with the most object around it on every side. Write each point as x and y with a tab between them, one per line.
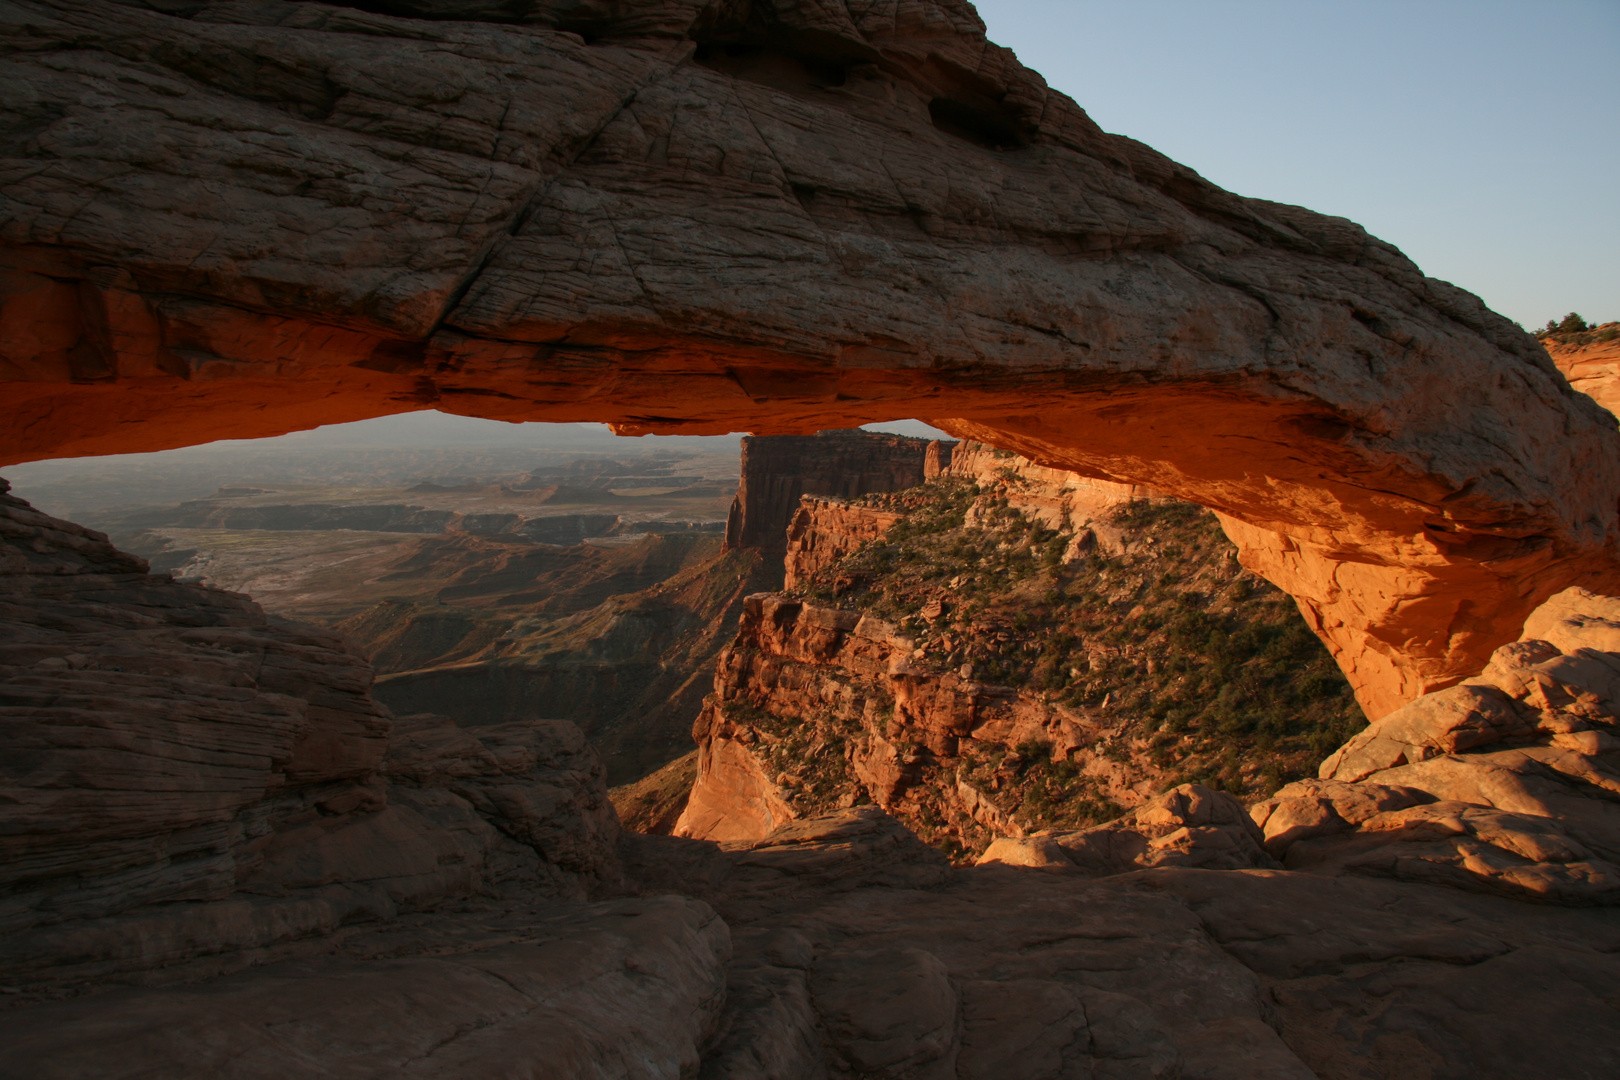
232	220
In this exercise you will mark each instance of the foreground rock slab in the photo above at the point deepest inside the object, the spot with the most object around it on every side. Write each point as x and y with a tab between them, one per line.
1508	782
626	989
842	947
1158	973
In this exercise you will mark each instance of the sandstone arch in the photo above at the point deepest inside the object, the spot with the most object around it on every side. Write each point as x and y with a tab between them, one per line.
226	219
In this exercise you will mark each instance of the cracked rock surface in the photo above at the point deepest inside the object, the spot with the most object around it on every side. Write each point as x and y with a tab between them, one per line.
842	947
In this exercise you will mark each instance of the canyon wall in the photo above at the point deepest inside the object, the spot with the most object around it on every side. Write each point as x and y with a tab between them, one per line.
823	531
1504	783
232	220
778	469
621	643
848	684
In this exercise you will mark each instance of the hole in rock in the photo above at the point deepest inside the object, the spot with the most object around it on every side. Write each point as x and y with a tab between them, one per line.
771	67
987	127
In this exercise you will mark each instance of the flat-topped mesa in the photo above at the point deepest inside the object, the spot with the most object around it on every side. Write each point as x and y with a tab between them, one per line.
778	469
680	216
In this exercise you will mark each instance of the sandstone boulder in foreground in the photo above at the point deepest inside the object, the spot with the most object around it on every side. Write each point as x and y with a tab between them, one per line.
1509	782
226	219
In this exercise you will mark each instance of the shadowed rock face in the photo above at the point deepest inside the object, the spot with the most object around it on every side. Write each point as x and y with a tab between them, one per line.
777	470
228	219
182	776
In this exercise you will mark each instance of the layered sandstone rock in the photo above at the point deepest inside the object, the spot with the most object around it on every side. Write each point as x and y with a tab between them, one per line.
823	531
813	702
1509	782
629	988
228	219
858	953
778	469
843	946
1592	367
184	775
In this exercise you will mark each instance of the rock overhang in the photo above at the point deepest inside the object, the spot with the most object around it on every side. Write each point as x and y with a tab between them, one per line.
227	220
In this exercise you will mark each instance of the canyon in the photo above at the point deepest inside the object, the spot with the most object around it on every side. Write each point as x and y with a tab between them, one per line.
479	598
226	854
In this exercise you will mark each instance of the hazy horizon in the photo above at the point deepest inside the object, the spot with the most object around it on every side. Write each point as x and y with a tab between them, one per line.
401	449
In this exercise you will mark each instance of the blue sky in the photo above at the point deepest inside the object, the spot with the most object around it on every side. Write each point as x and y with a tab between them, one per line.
1480	137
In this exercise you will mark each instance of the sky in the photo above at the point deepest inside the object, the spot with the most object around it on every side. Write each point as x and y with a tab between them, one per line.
1480	137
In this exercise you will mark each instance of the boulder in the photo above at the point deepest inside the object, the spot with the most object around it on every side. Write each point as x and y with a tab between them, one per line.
1189	825
1509	782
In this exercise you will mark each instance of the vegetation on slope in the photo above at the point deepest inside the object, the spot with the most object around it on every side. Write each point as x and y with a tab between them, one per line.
1572	330
1211	670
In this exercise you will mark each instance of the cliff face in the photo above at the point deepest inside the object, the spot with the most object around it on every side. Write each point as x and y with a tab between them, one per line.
778	469
1005	649
182	775
851	692
823	531
1591	363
